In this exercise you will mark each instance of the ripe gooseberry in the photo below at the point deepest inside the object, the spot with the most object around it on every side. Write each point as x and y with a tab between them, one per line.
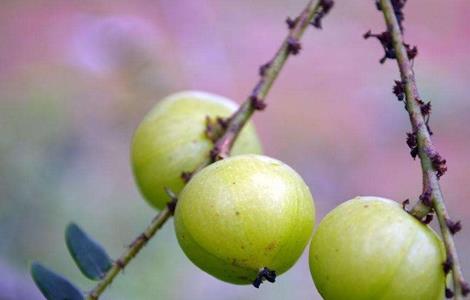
171	140
243	214
370	248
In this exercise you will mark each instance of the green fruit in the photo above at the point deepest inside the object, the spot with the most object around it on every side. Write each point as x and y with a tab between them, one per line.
171	140
242	214
370	248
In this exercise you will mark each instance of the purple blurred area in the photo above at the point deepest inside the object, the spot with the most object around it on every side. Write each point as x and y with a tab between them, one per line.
76	78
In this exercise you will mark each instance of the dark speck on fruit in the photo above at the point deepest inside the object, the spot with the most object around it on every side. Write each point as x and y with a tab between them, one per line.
366	206
237	213
271	246
234	262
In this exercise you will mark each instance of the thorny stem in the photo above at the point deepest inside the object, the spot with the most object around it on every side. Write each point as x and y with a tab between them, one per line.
312	14
432	196
268	74
130	253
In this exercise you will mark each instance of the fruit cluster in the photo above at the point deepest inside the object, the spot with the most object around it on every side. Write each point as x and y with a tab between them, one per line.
248	218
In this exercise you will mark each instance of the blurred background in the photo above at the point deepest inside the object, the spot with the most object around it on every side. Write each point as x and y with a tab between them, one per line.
76	78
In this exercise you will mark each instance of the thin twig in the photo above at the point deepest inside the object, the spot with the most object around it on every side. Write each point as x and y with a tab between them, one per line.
312	14
130	253
268	73
432	165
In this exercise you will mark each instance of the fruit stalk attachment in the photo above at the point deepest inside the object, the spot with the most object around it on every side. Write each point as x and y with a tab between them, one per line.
264	274
419	140
311	15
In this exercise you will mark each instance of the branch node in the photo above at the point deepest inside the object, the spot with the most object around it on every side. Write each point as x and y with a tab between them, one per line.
264	274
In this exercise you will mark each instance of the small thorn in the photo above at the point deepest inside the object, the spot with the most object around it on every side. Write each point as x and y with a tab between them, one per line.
427	219
257	103
426	197
454	227
264	68
215	154
465	288
405	203
293	45
173	199
447	264
412	142
449	294
291	23
186	176
411	52
399	90
438	163
385	39
120	264
426	108
326	6
378	5
171	206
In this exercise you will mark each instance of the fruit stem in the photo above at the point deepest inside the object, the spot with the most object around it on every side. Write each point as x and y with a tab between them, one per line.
312	14
432	165
264	274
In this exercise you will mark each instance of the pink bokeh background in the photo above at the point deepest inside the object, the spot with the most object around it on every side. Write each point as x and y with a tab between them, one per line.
77	77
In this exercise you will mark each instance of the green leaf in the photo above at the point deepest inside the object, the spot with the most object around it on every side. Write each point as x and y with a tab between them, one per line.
53	286
90	257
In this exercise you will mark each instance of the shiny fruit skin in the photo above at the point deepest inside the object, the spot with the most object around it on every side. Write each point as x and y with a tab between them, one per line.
370	248
171	140
244	213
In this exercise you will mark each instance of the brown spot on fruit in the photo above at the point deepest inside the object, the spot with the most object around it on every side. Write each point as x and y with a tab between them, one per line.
270	246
